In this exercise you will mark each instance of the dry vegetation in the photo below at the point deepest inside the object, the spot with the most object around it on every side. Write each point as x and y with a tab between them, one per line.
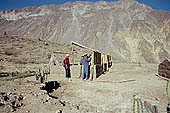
26	51
17	53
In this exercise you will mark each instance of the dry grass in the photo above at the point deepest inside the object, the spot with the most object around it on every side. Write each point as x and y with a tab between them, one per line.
27	51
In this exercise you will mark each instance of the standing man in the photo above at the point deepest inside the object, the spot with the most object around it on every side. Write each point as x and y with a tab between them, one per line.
67	66
85	63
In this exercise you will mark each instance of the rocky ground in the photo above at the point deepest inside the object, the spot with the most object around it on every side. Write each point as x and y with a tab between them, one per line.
18	50
112	92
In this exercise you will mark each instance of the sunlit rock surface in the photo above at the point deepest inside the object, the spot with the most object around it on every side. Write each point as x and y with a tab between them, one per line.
127	30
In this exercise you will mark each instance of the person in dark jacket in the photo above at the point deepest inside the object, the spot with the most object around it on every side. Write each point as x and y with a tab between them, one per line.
67	66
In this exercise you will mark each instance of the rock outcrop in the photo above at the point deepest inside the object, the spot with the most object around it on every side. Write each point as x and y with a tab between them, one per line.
127	30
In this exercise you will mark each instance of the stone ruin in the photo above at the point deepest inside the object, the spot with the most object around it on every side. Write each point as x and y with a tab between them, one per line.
164	69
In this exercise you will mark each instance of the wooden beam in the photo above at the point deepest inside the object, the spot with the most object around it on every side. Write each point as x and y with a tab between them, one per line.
17	77
60	52
81	46
162	77
126	81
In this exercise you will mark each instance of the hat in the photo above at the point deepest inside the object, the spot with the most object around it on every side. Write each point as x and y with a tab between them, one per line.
67	55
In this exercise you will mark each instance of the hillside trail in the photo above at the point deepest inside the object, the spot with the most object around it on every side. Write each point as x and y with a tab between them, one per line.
113	91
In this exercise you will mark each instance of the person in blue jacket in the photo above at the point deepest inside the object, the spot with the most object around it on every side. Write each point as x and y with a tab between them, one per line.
85	63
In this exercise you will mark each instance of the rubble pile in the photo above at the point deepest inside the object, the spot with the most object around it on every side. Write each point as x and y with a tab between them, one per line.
10	101
164	69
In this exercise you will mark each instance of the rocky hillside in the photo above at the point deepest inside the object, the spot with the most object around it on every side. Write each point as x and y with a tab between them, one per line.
128	30
15	50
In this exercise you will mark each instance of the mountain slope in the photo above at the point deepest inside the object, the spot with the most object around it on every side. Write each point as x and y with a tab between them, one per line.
127	30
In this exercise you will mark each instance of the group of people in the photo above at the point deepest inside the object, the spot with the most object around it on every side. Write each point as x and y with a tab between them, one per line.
85	62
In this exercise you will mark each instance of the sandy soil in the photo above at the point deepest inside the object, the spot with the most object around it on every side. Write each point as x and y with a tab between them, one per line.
112	92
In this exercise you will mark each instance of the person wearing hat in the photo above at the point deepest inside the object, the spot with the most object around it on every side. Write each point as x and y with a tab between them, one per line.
85	63
67	66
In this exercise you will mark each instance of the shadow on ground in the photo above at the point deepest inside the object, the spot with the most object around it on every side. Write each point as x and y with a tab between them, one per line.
50	87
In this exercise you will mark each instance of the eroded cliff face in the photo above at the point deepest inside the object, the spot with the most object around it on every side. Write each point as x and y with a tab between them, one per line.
127	30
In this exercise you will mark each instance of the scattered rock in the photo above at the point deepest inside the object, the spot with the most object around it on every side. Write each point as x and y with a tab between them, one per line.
39	94
48	98
45	43
27	111
35	95
59	111
13	100
4	74
156	98
62	103
77	107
